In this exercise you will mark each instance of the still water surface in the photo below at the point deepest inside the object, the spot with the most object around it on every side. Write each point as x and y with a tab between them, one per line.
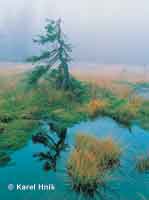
126	182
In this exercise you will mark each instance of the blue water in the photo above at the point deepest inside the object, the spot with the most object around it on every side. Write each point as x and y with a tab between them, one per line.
126	182
144	92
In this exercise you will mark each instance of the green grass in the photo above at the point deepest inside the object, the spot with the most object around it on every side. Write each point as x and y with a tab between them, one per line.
16	134
67	107
21	106
123	110
143	115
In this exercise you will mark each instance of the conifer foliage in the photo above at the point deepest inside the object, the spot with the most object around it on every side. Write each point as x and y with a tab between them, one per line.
55	56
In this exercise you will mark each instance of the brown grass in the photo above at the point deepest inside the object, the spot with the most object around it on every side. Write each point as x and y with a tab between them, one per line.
96	106
89	161
105	75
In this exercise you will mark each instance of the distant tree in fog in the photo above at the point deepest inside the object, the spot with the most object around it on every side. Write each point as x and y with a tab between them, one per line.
56	54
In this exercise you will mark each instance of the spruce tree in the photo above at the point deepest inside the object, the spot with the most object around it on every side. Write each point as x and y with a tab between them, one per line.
56	55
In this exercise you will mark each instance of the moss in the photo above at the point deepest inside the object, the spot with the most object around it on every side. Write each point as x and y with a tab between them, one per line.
143	115
20	106
19	102
16	134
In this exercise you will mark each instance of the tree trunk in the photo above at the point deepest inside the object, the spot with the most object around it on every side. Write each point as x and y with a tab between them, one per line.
66	80
63	67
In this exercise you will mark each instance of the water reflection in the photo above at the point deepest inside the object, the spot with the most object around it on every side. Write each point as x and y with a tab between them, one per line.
4	159
54	141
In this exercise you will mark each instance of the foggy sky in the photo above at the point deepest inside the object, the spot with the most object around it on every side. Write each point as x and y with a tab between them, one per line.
101	31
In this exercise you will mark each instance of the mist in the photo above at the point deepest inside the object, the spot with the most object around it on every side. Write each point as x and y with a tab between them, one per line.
107	32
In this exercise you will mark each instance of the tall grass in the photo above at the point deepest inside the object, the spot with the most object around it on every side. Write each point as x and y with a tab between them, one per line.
90	160
143	164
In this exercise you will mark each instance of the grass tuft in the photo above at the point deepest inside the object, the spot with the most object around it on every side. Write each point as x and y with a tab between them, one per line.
90	160
143	164
96	107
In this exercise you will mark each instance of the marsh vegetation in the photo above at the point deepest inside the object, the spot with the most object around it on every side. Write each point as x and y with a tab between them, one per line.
143	164
89	162
50	96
